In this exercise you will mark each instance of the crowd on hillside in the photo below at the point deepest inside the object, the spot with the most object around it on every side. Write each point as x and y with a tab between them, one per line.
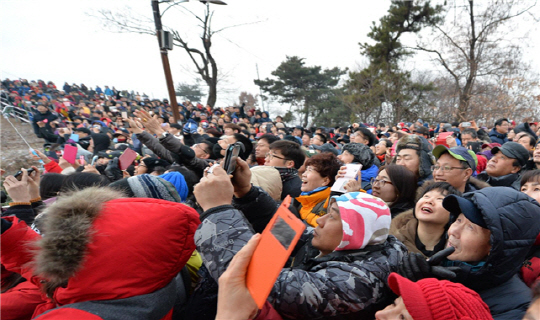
129	213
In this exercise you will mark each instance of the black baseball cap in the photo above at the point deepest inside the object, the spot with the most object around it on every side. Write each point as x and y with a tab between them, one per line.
513	150
456	205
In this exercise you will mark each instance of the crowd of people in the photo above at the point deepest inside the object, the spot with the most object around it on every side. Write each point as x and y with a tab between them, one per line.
441	221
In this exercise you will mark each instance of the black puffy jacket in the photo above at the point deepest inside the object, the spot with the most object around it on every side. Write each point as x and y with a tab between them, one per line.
514	221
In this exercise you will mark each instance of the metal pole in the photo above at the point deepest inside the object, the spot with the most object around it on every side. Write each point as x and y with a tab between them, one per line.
165	61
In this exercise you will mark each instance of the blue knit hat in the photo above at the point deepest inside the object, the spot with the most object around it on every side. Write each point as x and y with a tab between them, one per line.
179	182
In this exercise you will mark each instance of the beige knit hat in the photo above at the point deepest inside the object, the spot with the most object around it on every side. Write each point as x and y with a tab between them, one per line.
269	179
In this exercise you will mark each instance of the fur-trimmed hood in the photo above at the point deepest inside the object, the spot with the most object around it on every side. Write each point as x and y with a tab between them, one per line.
422	147
99	246
403	227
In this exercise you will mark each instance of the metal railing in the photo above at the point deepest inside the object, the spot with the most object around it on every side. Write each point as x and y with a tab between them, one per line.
8	110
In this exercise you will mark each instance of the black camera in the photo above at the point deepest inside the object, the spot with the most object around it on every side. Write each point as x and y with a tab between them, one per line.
19	173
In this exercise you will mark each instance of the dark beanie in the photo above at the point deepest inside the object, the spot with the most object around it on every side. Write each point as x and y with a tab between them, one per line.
362	154
152	163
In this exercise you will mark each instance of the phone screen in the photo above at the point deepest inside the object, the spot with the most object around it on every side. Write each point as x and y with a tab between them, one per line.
283	232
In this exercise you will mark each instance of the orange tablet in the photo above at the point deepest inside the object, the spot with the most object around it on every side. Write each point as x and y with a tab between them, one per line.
441	138
277	242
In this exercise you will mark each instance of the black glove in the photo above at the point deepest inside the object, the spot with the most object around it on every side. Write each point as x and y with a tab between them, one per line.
112	171
415	267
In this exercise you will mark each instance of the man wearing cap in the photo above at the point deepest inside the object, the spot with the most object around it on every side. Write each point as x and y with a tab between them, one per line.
503	170
493	232
456	166
85	138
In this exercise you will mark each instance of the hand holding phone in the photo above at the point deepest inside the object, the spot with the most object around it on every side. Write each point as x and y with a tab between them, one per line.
19	173
277	242
233	150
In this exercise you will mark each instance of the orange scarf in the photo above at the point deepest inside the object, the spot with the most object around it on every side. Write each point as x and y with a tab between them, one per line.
309	202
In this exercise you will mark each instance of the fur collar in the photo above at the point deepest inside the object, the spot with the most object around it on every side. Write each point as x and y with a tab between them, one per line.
67	232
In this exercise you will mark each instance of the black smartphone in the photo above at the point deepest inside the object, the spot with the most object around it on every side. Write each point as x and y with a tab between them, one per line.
475	146
233	150
19	173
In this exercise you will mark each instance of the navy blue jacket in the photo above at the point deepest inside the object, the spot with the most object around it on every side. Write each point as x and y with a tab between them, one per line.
497	137
514	221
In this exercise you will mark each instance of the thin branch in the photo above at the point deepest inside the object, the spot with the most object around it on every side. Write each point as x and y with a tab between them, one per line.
239	25
443	62
480	34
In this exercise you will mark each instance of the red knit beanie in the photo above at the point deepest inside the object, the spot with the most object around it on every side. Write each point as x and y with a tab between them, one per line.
432	299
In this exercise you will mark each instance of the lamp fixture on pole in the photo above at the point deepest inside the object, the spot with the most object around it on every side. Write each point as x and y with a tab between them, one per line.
165	44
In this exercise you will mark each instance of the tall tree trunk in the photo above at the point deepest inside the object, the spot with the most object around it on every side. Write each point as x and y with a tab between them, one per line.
306	115
212	93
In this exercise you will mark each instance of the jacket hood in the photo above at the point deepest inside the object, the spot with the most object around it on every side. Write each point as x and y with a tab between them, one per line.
524	127
100	246
369	173
514	221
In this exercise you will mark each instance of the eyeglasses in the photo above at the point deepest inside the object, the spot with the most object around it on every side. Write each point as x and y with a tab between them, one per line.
198	146
270	156
445	168
380	183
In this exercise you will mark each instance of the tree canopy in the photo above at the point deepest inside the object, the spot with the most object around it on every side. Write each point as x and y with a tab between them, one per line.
308	88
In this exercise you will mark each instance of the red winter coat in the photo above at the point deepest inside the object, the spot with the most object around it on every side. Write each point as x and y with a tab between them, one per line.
131	247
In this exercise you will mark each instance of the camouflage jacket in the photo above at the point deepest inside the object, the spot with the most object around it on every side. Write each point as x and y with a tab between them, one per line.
339	285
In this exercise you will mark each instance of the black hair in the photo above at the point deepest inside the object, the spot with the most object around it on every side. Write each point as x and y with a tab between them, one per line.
387	141
500	121
290	150
247	144
530	176
404	182
270	138
532	140
50	185
444	187
208	146
471	132
189	176
83	180
367	134
322	136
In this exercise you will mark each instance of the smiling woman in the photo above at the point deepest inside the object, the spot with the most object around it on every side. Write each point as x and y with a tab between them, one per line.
423	228
319	176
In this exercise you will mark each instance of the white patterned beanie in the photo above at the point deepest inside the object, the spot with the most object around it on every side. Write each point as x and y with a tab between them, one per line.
366	220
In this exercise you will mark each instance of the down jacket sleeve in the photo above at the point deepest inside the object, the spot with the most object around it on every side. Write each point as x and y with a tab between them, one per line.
153	144
16	251
185	155
330	288
258	207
